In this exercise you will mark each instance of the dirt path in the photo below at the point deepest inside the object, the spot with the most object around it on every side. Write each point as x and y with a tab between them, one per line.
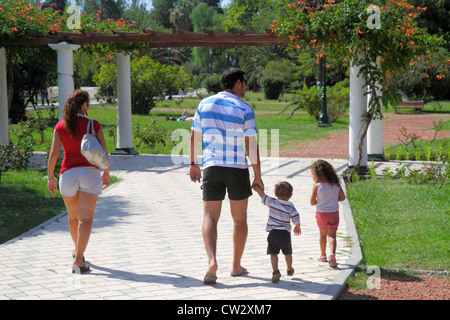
395	287
336	146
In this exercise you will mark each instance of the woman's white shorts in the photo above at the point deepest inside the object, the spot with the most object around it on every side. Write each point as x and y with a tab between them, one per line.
85	179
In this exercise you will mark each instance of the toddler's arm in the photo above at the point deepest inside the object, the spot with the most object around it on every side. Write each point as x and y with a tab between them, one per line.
314	195
341	195
258	189
297	230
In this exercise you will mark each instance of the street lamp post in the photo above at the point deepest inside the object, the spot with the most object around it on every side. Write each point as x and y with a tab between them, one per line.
323	118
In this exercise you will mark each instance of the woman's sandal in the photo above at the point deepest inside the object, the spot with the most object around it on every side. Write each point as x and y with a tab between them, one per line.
322	259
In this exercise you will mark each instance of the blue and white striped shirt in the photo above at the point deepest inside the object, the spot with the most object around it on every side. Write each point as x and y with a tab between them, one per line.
224	120
280	214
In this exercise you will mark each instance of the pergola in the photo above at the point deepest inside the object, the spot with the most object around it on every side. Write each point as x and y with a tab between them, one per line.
67	42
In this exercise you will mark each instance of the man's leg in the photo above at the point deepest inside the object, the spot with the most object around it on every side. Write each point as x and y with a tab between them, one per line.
239	214
211	215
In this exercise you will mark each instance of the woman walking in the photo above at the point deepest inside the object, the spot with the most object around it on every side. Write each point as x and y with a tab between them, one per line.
80	182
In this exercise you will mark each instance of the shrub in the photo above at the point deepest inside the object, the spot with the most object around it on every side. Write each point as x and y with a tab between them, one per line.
212	83
150	135
14	158
272	87
310	100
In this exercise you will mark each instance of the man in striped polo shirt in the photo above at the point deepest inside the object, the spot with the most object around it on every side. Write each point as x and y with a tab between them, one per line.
228	130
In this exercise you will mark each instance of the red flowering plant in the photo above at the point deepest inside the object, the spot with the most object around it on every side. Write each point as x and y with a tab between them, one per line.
382	37
18	17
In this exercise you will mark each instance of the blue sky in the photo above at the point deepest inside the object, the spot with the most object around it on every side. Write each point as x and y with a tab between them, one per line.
225	3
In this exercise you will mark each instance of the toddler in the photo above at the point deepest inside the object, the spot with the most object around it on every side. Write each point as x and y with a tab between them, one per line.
281	211
326	194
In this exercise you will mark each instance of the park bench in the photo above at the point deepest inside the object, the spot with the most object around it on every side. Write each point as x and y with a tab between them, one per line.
418	105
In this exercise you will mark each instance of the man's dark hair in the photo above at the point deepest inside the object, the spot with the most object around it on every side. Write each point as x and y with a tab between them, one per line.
230	77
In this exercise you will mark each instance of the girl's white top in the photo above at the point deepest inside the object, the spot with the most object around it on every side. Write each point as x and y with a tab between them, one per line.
327	197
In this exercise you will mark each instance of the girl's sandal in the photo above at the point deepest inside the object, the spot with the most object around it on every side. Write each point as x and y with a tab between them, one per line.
332	261
322	259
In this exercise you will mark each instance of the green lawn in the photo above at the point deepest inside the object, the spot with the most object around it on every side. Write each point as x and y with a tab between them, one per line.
25	202
402	225
300	127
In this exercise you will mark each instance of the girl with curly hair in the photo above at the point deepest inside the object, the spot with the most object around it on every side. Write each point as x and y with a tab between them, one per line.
80	182
326	194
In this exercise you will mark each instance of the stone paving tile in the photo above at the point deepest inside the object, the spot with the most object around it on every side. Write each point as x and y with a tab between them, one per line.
147	243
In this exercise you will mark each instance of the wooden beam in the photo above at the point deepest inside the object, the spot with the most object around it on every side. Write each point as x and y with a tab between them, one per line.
157	39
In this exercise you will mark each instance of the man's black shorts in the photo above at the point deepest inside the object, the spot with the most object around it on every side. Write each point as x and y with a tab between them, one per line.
218	180
279	239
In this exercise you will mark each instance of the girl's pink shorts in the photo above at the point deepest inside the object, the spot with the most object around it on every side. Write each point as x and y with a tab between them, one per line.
327	220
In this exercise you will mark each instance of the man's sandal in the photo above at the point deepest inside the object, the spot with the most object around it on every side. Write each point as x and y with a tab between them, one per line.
209	279
81	269
276	275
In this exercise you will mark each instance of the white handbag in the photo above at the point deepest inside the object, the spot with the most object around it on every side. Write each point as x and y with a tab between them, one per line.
91	148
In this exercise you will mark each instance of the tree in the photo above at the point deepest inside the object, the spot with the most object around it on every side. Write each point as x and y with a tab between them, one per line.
107	9
207	17
436	19
137	11
59	4
31	69
150	81
160	14
350	29
253	15
255	59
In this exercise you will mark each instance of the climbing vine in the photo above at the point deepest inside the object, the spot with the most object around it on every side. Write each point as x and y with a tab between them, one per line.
381	37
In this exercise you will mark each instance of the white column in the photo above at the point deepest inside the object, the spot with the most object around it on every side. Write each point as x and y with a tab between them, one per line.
4	130
124	130
358	105
375	149
65	72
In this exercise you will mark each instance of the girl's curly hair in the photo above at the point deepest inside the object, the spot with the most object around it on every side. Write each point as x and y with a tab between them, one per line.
72	108
325	172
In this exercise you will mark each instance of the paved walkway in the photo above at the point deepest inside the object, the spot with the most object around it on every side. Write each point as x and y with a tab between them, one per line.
147	243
